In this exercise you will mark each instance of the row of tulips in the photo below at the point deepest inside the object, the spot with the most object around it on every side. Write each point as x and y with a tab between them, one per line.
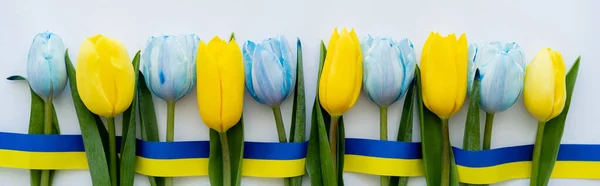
492	74
106	82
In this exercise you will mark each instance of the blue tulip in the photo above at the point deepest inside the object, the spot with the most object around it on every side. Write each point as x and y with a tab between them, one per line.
270	70
169	65
501	68
389	68
46	70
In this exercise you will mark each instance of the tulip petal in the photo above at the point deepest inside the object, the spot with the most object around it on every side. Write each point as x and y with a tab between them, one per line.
88	82
323	82
359	71
339	73
560	90
231	70
267	77
461	70
440	80
184	69
409	61
209	87
248	53
46	68
538	92
116	73
384	72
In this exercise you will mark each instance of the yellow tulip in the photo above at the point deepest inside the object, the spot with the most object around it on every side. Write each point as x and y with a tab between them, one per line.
220	77
105	77
341	78
444	73
544	91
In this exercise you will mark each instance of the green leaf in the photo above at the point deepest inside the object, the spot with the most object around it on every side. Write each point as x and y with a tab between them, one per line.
235	137
36	125
313	162
232	36
554	130
472	135
128	146
341	149
215	160
471	139
453	170
405	129
298	128
319	163
92	141
148	123
431	138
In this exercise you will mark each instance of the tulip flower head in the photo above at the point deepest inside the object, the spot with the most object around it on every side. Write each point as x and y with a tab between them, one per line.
444	73
169	65
544	92
501	68
105	77
46	70
270	70
341	78
389	68
220	77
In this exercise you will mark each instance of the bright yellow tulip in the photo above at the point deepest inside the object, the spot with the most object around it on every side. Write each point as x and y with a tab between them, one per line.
544	90
105	77
444	73
341	78
220	80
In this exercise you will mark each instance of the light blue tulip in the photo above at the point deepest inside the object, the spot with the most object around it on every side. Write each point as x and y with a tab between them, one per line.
389	68
270	70
169	65
46	70
501	69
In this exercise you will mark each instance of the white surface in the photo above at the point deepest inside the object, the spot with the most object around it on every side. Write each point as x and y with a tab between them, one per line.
568	26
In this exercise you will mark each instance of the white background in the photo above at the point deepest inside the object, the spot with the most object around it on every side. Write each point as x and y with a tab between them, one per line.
567	26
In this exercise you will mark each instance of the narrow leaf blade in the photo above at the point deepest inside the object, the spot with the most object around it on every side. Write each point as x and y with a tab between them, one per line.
128	153
215	160
92	141
235	137
148	123
405	129
298	128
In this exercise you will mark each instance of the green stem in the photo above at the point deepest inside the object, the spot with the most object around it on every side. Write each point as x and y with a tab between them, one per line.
226	159
280	132
279	124
112	149
170	132
537	149
333	128
487	135
445	153
383	135
45	177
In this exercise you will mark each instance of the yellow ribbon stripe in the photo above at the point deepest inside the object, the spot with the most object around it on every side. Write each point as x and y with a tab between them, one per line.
43	160
273	168
383	166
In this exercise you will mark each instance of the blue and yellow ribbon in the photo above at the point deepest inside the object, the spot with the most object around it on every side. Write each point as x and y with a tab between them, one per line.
476	167
276	160
165	159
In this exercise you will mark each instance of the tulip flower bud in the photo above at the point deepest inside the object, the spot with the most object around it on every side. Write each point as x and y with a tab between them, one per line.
105	77
220	77
270	70
341	78
389	68
544	92
501	68
444	73
46	70
169	65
